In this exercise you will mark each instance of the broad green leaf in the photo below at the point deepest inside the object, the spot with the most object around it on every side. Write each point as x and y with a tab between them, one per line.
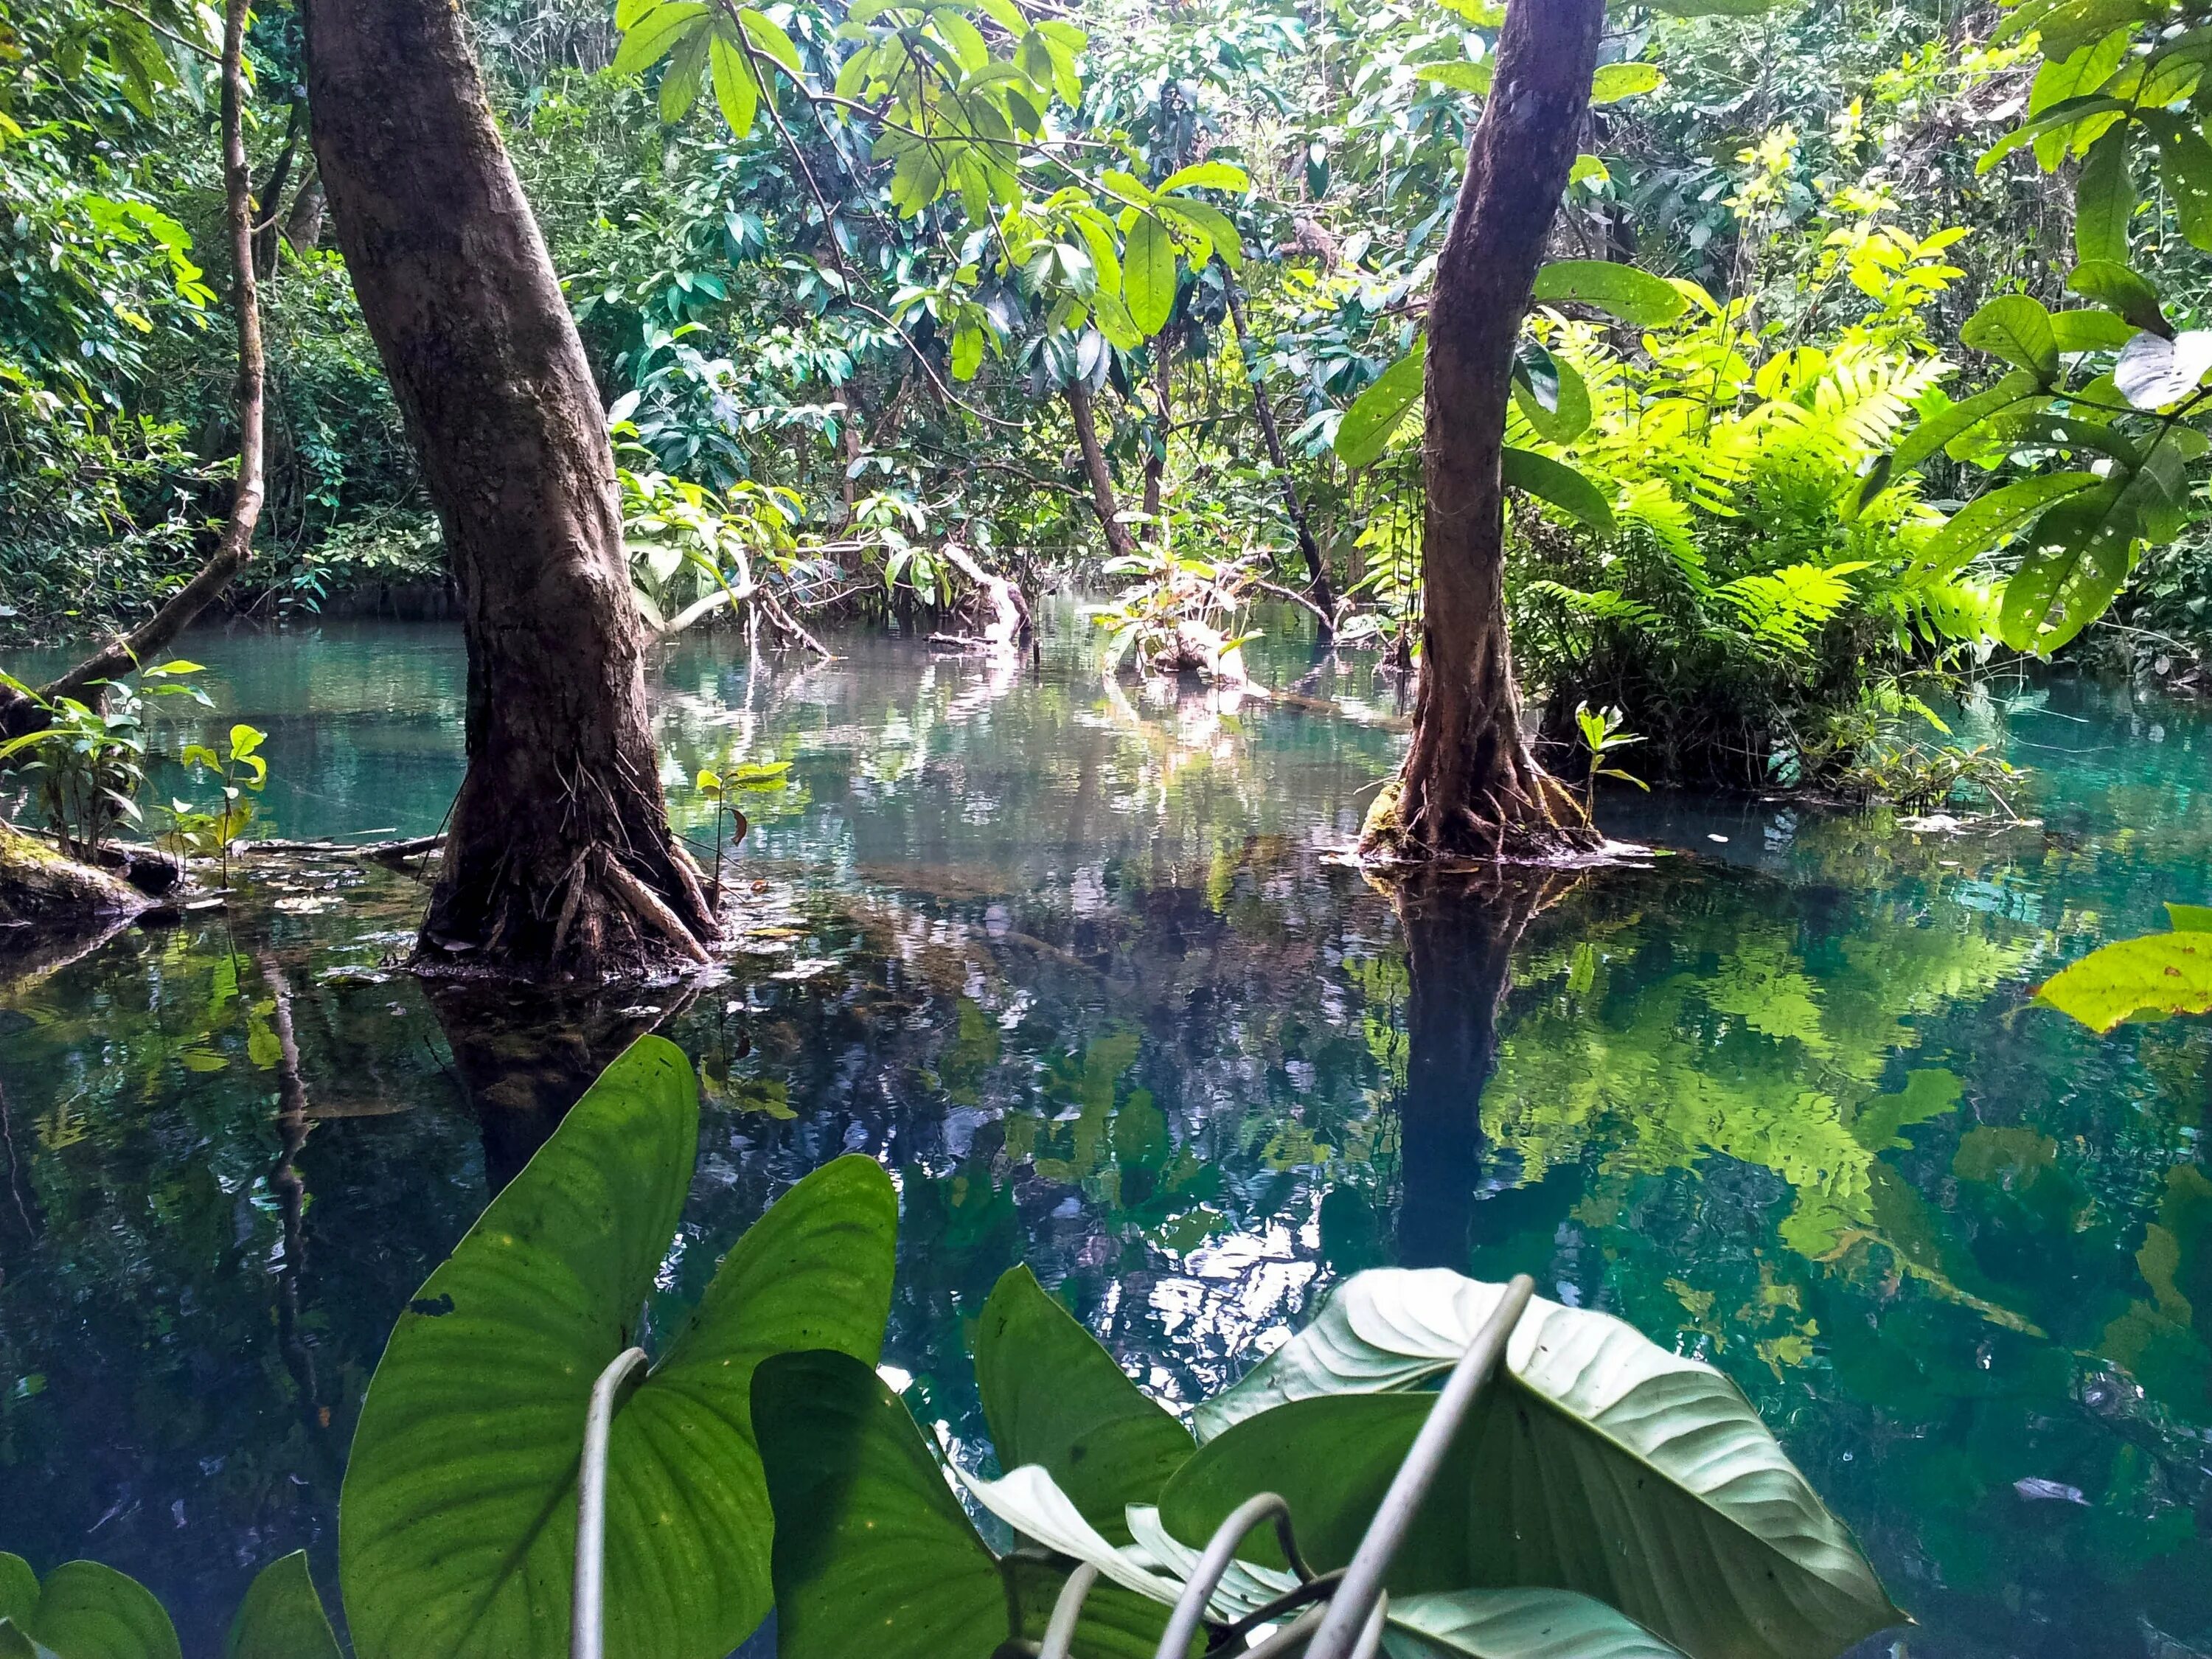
457	1524
2018	330
1520	1623
1148	275
1614	82
1561	485
2104	200
1211	222
2118	289
2017	389
686	72
1376	412
1623	291
2090	330
1052	1396
874	1554
1595	1461
2148	978
769	39
281	1617
736	92
2185	163
18	1589
967	351
1207	175
1569	418
2076	561
2188	918
1461	76
2154	372
2060	117
656	36
1996	514
82	1611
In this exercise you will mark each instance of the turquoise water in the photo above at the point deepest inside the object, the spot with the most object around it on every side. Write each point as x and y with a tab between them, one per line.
1078	966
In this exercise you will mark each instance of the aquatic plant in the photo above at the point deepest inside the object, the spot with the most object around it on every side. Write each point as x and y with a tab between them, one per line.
82	1610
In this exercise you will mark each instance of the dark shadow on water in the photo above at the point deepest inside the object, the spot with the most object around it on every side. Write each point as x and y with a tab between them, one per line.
1461	930
525	1054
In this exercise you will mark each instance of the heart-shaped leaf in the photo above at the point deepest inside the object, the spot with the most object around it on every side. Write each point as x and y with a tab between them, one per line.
1052	1396
1595	1461
82	1610
281	1617
1520	1623
873	1552
458	1521
2017	329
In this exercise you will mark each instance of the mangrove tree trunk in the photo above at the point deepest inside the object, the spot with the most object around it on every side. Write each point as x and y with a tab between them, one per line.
1317	583
1094	467
1470	787
559	858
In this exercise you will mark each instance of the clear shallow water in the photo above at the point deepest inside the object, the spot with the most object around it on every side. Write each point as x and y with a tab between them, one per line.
1077	969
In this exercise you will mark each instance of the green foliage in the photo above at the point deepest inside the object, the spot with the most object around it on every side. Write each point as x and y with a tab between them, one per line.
282	1617
81	1610
2152	977
457	1528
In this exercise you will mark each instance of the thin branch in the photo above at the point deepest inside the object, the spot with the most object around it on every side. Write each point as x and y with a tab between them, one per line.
165	31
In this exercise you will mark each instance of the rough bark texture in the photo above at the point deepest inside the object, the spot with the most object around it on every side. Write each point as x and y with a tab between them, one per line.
19	714
39	886
559	837
1470	787
1156	462
1094	467
1323	597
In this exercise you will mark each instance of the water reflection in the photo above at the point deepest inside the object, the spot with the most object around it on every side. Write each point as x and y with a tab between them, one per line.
1072	961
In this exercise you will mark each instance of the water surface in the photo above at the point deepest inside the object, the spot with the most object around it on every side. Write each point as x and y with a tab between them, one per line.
1075	965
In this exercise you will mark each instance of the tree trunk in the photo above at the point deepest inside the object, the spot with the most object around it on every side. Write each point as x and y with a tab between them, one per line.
1470	787
269	199
19	714
559	858
1155	459
303	224
1094	466
1324	598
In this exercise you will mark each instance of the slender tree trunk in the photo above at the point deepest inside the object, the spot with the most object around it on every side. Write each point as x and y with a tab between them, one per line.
19	714
1156	461
559	858
268	200
1316	567
303	223
1470	787
1094	464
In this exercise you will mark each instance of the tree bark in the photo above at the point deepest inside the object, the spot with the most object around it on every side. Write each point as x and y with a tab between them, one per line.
1155	459
19	714
1094	466
559	859
268	200
1318	586
303	223
1470	787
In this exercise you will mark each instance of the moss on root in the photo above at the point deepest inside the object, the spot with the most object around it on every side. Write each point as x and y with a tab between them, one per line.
41	887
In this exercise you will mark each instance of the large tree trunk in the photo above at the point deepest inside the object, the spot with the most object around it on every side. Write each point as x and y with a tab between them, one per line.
559	859
1316	567
1094	467
1155	459
19	714
1470	787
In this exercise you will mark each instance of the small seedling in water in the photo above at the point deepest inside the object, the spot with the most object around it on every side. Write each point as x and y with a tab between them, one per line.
240	769
752	775
1603	735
